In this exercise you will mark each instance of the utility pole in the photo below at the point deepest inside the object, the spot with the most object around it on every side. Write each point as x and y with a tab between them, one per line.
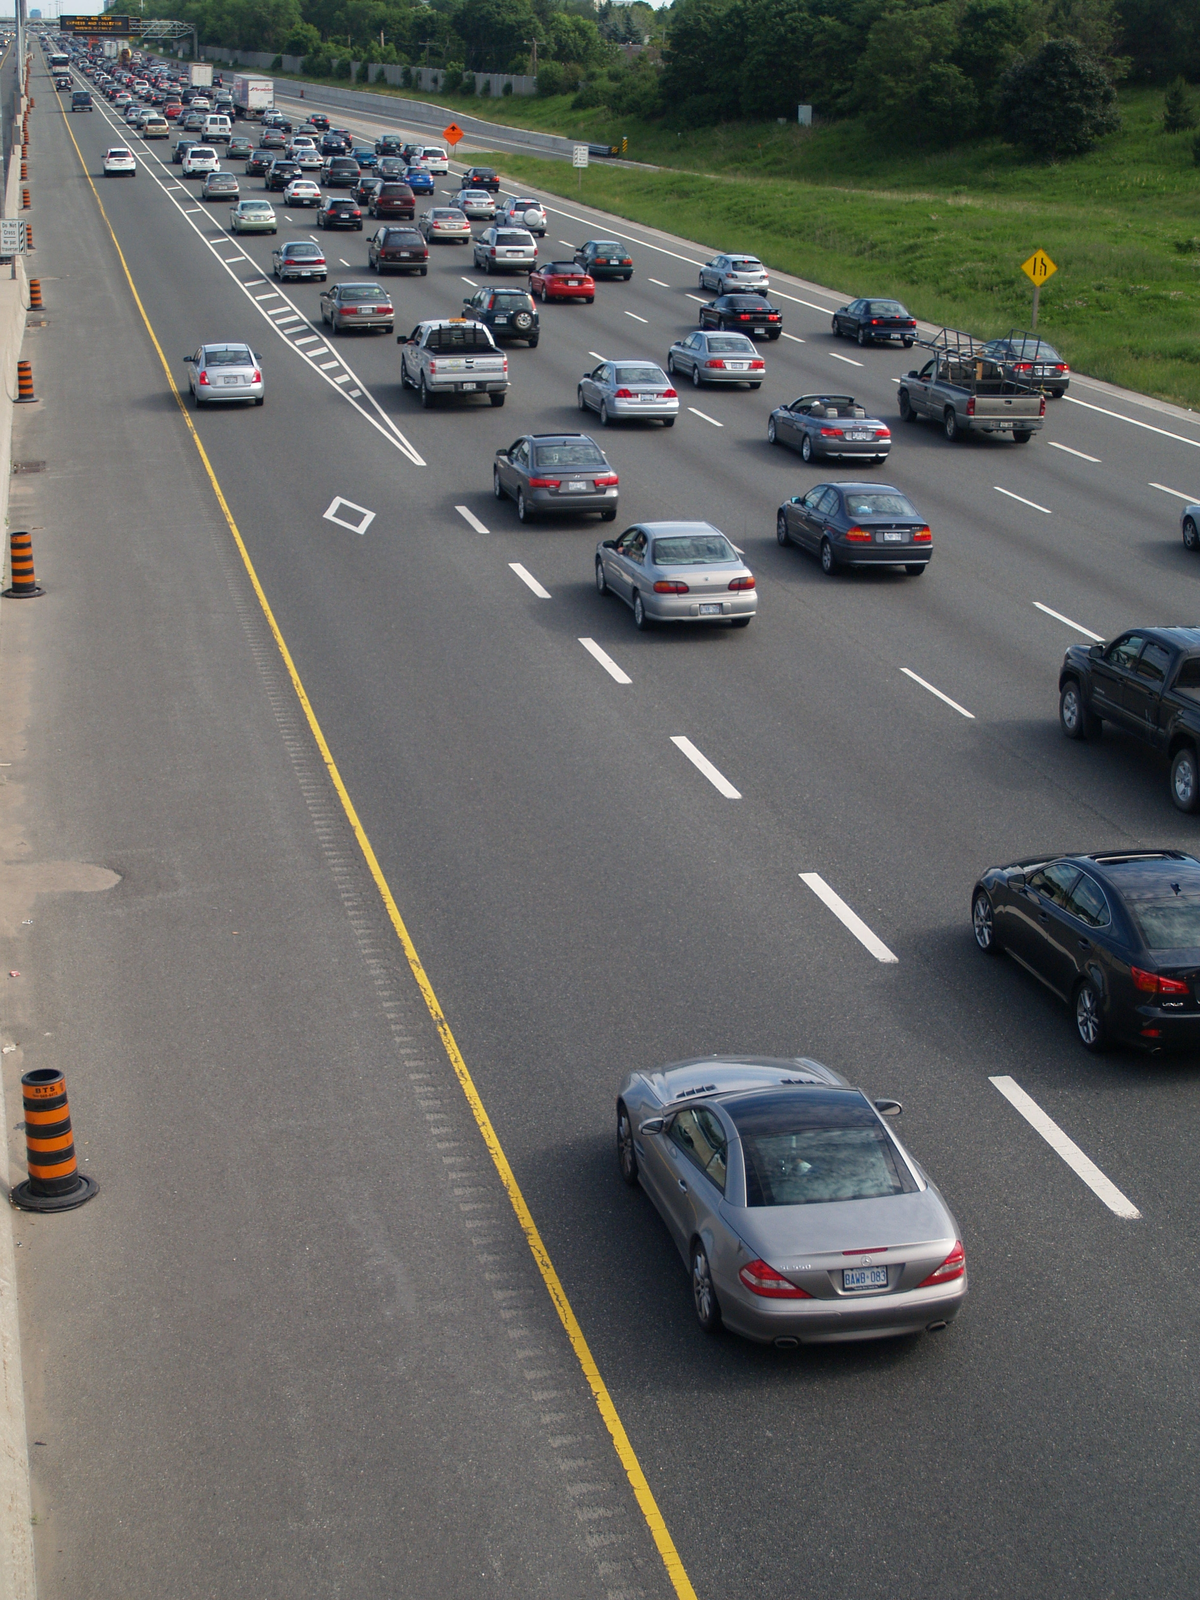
426	43
534	45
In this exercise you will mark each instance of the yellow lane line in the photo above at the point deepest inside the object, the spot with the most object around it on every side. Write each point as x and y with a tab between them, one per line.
558	1295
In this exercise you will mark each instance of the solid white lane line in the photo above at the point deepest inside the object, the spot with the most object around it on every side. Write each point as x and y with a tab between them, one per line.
635	316
471	519
848	918
796	339
1178	493
1078	626
704	417
1032	504
658	283
1082	1166
847	359
528	579
702	764
606	661
1083	456
1133	422
953	704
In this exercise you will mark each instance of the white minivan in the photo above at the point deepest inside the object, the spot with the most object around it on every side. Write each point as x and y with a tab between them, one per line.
200	158
218	129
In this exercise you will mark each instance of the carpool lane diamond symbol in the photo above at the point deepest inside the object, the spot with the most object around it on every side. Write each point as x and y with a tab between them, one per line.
365	517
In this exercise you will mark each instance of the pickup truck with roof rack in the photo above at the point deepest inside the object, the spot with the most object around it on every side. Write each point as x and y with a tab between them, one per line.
968	391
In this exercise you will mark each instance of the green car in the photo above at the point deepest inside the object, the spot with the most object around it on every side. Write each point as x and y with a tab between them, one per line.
240	148
253	216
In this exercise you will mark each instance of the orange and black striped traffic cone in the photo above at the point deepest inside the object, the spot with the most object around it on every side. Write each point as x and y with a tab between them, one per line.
55	1182
25	392
29	236
24	581
24	169
26	202
35	294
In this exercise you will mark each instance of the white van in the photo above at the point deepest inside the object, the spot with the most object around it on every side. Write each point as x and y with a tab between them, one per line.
218	129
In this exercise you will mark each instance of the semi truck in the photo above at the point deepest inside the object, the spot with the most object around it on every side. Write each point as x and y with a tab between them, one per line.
253	96
200	74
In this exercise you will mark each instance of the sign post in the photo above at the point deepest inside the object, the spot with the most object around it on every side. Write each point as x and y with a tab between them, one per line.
1038	268
579	158
12	238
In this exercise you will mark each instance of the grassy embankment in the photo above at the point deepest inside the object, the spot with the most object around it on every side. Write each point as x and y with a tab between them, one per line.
945	231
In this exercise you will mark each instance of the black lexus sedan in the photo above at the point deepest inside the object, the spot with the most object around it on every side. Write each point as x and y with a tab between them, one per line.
339	214
875	322
1116	936
743	313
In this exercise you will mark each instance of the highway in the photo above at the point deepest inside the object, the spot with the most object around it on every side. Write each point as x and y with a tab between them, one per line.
584	899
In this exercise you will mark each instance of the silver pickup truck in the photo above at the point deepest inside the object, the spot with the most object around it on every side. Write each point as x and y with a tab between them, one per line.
453	356
969	392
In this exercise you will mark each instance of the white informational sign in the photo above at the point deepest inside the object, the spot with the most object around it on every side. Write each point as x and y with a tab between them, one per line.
12	236
579	156
804	116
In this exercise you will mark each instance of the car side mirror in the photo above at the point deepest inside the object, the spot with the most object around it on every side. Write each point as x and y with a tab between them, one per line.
1016	880
190	361
888	1108
503	454
609	544
652	1125
914	373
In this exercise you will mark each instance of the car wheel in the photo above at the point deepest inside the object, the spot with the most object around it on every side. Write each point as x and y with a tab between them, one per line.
837	328
545	299
1191	540
915	569
740	622
1022	437
772	436
907	414
950	423
1058	393
670	366
580	401
426	397
695	376
829	560
590	299
862	339
640	620
781	527
983	923
610	515
601	580
1072	713
497	486
604	419
626	1154
1185	780
1089	1017
625	277
424	272
523	512
806	448
260	400
532	343
704	1296
907	344
756	385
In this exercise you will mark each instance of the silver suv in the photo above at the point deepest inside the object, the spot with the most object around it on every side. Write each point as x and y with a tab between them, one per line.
503	249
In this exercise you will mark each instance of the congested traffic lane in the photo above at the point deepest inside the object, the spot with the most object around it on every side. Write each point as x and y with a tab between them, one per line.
548	842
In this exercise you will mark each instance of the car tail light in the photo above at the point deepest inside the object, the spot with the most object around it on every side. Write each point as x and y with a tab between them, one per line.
758	366
971	405
953	1267
203	378
745	316
669	394
673	586
874	322
717	363
1042	407
545	483
608	481
858	535
741	583
1152	983
883	433
831	433
623	394
921	536
761	1279
1023	366
1062	367
257	378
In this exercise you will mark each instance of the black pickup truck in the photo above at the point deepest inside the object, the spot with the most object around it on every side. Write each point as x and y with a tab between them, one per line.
1146	682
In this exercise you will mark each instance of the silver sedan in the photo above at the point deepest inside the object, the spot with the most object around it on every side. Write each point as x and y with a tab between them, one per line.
1189	526
628	388
445	225
223	372
677	572
717	358
477	204
800	1215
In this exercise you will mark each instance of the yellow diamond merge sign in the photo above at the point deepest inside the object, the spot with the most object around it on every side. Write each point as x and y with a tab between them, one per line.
1039	267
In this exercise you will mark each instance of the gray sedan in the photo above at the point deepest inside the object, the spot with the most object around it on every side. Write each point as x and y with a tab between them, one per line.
365	306
628	388
220	372
800	1215
717	358
1189	526
557	473
677	572
829	425
477	204
857	525
219	186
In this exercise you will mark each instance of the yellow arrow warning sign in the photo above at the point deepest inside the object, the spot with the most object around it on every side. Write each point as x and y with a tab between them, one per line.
1039	267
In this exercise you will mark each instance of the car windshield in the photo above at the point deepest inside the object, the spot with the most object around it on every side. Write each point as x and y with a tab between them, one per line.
733	346
228	355
652	375
817	1147
885	308
1167	913
692	550
362	291
877	503
571	453
507	237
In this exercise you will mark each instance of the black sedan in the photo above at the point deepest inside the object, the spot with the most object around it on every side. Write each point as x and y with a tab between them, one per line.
1031	361
509	313
1117	936
259	163
829	425
340	214
743	313
281	173
389	144
857	525
333	144
481	178
605	258
182	146
397	250
875	322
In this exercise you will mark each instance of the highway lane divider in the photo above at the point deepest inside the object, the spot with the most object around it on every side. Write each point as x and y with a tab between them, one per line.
1177	493
1069	450
1032	504
471	519
1098	638
606	661
702	764
528	579
925	684
1082	1166
848	918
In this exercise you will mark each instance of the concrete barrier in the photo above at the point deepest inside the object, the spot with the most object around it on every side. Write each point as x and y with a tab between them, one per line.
14	303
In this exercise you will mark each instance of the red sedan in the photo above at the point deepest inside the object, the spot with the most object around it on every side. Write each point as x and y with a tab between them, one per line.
562	280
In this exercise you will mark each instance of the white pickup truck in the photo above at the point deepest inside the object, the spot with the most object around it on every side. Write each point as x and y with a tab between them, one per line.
452	356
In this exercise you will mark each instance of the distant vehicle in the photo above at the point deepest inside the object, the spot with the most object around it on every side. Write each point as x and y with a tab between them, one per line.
857	525
156	127
81	100
523	212
501	249
724	274
219	186
298	258
476	204
365	189
875	322
198	159
253	97
365	306
628	388
1030	360
200	74
747	313
366	158
219	373
281	173
394	200
435	158
302	192
968	392
339	172
717	358
339	214
677	572
605	258
823	425
119	162
419	180
390	144
217	129
398	250
481	178
452	357
557	473
239	148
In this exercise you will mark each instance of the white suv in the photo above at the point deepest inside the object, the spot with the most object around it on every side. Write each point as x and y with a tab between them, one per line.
433	157
200	158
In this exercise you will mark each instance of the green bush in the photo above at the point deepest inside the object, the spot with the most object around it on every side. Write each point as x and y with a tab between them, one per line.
406	78
486	86
452	81
508	88
277	64
467	83
551	78
342	67
1179	114
1058	102
317	64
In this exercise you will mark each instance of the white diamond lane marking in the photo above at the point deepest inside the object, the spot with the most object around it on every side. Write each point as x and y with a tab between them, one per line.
1083	456
848	918
635	316
471	519
1032	504
606	661
795	338
703	415
1178	493
658	283
953	704
847	359
702	764
338	503
1070	623
1082	1166
528	579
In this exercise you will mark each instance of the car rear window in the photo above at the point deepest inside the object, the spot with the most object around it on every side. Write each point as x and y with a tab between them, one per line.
302	252
510	237
355	293
610	247
745	263
651	375
877	503
736	345
692	549
462	339
1167	912
232	355
258	205
395	191
564	269
404	236
885	308
571	453
748	302
507	299
809	1149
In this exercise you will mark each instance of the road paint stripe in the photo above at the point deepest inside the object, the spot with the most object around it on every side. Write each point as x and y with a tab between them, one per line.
597	355
343	378
811	304
1078	626
273	294
606	661
698	298
568	243
1133	422
796	339
344	263
705	417
1083	456
313	354
1082	1166
635	316
953	704
192	211
850	362
360	524
280	311
528	579
1032	504
848	918
310	338
471	519
658	283
1178	493
702	764
354	393
472	282
327	366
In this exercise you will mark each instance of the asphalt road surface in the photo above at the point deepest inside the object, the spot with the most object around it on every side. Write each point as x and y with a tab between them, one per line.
343	1412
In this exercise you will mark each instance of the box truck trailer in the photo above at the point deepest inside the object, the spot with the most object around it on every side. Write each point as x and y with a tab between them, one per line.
253	96
200	74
